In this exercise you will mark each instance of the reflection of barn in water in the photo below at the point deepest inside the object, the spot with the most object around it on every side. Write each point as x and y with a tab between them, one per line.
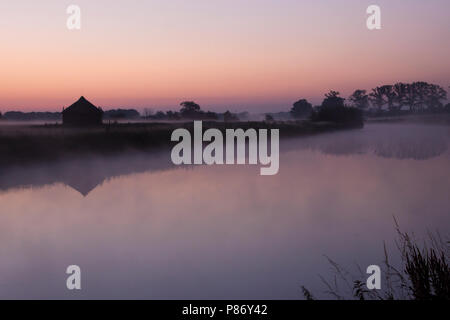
82	113
84	184
84	174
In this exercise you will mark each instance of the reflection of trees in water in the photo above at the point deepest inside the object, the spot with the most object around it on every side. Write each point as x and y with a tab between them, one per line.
398	142
415	142
418	150
341	148
84	175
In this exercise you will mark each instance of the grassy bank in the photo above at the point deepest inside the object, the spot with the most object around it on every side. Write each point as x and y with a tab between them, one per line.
23	144
423	273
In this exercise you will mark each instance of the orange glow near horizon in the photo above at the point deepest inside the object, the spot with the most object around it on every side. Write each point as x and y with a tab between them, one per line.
261	58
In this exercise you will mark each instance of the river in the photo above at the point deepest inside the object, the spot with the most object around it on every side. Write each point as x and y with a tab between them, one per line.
140	227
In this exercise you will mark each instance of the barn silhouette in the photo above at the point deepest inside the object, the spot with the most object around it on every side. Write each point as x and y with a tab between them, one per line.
82	113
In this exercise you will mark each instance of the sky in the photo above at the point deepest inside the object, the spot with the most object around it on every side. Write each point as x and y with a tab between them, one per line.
254	55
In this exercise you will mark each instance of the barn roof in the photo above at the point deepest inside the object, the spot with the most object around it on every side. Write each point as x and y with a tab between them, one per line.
82	106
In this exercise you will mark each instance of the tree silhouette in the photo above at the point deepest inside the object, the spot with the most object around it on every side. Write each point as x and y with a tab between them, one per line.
189	106
334	110
421	89
421	95
301	109
400	90
268	118
189	109
410	96
436	94
228	117
360	99
171	115
418	96
148	112
376	97
389	96
333	100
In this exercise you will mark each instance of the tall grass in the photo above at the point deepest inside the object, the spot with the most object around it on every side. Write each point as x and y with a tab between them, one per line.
423	274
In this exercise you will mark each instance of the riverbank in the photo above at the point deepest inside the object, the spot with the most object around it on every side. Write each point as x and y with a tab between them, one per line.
25	144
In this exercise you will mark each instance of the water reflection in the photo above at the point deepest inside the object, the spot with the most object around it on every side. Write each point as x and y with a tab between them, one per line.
220	232
85	174
398	141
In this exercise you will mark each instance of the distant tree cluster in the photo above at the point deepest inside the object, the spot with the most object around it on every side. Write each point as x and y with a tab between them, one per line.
360	99
332	109
301	109
31	116
269	118
192	111
114	114
117	114
416	97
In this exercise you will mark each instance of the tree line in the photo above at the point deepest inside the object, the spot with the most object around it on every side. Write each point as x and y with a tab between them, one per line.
399	98
115	114
192	111
416	97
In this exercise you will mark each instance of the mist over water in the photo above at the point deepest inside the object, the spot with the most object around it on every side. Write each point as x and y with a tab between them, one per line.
140	227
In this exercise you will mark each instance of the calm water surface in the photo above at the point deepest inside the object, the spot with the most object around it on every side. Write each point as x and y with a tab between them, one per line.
140	228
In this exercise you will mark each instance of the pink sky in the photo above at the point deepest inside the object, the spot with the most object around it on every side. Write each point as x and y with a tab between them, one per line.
255	55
